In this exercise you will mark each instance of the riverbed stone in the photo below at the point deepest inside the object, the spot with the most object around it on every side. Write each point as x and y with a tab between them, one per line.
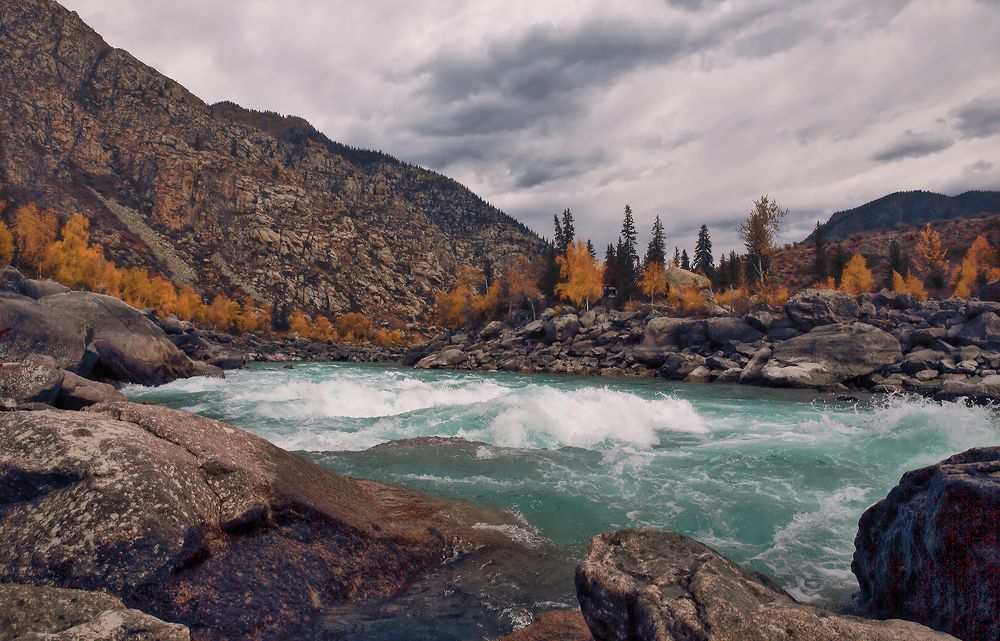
930	551
645	585
814	308
829	355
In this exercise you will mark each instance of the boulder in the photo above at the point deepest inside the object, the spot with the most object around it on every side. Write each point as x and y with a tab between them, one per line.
36	380
678	279
228	360
535	329
78	392
201	368
678	365
729	329
817	307
491	331
553	626
760	320
41	288
644	585
829	355
11	281
130	347
921	359
39	613
990	291
663	334
982	330
200	523
754	371
41	330
562	328
930	550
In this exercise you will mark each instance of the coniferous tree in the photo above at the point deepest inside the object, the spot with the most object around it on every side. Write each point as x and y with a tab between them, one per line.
721	280
821	267
704	262
656	251
560	238
590	249
610	265
735	269
568	229
677	257
838	261
685	261
626	257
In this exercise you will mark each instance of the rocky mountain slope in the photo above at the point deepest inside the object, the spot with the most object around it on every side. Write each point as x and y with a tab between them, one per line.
910	208
221	197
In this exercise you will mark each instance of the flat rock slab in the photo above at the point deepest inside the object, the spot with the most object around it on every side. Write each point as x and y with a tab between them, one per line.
829	355
645	585
40	613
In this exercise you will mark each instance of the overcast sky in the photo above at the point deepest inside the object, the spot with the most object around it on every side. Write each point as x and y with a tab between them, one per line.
685	108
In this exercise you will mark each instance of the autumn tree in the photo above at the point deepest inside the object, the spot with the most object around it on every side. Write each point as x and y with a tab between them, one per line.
654	280
704	262
298	323
898	260
521	279
188	303
34	231
838	261
759	233
977	268
457	307
582	276
931	258
72	260
856	278
353	327
6	244
908	285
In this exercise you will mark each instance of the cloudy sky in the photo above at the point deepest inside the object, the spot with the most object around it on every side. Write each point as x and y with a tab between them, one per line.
685	108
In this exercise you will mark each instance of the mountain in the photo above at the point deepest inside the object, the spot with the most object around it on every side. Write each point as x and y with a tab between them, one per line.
910	208
221	197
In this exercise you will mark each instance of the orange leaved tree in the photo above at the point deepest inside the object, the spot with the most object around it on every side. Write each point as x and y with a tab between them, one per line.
34	231
931	258
856	277
6	244
654	280
908	285
977	268
582	276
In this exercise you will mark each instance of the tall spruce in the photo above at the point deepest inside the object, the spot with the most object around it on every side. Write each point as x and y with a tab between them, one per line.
610	266
591	250
656	251
821	265
721	280
735	269
559	240
685	261
704	262
838	261
898	260
626	258
568	229
677	257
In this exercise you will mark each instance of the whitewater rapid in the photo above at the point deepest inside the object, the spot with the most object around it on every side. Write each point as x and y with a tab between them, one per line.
776	479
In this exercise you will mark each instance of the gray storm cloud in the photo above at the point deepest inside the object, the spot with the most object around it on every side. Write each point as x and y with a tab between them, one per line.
684	108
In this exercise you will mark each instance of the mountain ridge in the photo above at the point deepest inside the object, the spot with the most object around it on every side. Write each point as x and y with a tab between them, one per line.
903	209
229	198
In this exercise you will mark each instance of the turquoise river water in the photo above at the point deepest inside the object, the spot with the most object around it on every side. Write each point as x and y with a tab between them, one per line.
773	479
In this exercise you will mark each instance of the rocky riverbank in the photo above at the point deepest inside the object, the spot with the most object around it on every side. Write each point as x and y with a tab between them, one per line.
819	339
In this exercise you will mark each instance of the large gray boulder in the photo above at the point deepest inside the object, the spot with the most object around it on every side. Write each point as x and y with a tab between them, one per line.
200	523
817	307
130	347
930	550
40	613
36	380
41	330
663	334
644	585
729	329
982	330
829	355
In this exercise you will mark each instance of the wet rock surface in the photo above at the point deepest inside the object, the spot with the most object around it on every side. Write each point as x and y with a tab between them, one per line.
930	551
644	585
199	523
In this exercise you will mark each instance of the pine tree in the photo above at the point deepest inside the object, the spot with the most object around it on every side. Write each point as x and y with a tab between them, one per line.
656	251
820	265
626	258
591	250
838	261
560	237
704	263
735	269
610	266
721	280
568	229
932	259
685	261
677	257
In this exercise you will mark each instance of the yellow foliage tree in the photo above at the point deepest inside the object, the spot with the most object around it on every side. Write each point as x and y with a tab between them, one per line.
582	276
457	308
654	280
977	268
521	279
6	244
353	327
931	258
73	261
188	304
689	299
826	283
856	277
909	285
34	231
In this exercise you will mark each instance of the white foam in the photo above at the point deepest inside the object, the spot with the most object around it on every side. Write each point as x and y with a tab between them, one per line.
586	417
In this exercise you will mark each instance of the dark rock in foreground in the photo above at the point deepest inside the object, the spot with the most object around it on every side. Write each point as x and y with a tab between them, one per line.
930	551
554	626
203	524
644	585
34	613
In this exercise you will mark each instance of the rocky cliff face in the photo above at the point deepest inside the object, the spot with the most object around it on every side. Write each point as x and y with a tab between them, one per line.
221	197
